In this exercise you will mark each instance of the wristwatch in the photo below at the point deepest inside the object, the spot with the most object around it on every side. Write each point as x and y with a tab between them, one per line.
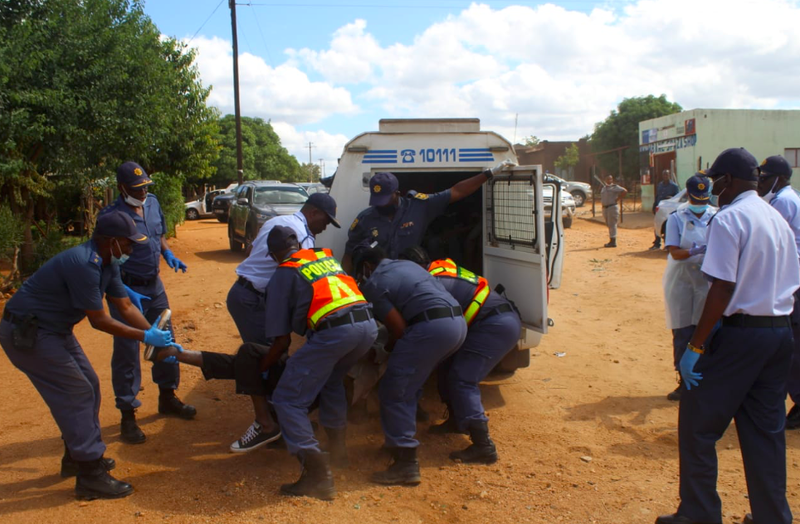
696	349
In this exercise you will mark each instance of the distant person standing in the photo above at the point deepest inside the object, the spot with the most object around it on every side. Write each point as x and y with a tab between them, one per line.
685	287
752	264
664	190
774	186
611	198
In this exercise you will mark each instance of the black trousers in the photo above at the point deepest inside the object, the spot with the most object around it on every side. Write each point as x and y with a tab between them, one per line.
243	367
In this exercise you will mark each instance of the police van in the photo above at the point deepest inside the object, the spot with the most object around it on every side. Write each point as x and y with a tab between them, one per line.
501	232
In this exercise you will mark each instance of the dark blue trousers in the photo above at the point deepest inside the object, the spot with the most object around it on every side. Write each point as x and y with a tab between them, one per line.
413	359
126	370
744	379
793	385
487	342
247	309
319	368
680	338
68	384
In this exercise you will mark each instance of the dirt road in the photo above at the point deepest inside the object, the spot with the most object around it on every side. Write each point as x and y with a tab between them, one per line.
588	437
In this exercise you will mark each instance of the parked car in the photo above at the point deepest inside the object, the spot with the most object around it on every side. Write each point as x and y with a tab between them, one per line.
580	191
222	203
313	187
567	205
201	208
664	209
255	203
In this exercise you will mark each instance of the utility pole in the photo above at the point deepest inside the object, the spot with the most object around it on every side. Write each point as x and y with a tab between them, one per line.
237	109
321	168
310	161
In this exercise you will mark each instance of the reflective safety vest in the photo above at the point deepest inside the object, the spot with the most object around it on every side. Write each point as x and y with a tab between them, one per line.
448	268
333	288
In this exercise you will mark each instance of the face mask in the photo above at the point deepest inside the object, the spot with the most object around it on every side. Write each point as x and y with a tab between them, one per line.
122	257
771	193
698	208
714	200
132	201
387	210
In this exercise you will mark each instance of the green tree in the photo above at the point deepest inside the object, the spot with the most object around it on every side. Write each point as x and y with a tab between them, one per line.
263	156
310	172
85	86
531	141
569	159
621	128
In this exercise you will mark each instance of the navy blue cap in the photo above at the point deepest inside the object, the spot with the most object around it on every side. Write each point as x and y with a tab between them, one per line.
325	203
279	238
737	162
118	224
699	187
381	188
132	174
775	165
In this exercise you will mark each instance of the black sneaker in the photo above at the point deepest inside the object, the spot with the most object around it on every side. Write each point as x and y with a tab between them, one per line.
255	437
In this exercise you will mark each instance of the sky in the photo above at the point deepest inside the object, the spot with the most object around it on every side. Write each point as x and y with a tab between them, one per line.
324	71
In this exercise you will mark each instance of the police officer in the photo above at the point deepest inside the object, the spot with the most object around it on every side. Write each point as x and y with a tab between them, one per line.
611	198
311	295
493	330
664	190
752	262
396	222
246	302
774	186
685	287
141	276
425	325
36	335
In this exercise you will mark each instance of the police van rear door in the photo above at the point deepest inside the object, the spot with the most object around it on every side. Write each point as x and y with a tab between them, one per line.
517	253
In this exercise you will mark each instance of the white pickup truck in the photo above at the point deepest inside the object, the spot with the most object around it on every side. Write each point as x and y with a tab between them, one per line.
501	232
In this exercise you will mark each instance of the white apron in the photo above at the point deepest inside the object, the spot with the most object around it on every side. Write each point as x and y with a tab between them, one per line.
685	287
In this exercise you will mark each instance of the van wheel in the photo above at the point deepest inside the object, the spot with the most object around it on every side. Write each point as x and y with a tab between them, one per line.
192	214
235	245
579	196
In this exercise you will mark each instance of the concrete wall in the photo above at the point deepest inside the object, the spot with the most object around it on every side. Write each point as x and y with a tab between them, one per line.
762	132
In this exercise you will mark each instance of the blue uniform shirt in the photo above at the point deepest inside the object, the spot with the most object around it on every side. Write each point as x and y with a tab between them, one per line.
145	258
666	190
65	287
684	218
463	291
404	230
289	296
403	285
787	203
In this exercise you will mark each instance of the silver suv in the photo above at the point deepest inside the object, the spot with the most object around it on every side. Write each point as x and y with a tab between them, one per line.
580	191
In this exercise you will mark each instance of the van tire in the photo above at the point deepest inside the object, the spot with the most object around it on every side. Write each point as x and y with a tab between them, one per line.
579	196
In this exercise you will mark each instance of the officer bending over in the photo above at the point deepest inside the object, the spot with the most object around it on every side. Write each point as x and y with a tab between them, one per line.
425	326
36	335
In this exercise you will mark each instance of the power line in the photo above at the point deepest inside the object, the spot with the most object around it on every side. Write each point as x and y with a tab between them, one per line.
454	5
266	47
204	23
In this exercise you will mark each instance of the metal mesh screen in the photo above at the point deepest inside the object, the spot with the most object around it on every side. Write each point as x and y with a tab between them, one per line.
512	219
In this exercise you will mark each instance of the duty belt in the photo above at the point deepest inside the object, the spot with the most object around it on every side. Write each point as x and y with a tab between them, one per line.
742	320
359	315
133	280
435	313
502	308
8	316
610	205
249	285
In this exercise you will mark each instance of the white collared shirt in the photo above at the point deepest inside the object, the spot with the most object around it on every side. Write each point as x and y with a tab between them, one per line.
787	203
750	244
259	267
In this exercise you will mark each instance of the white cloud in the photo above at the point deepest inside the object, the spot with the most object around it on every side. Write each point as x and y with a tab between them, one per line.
327	147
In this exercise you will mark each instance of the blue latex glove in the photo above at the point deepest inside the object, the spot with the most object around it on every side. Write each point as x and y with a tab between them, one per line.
157	337
686	365
697	250
173	262
172	359
136	298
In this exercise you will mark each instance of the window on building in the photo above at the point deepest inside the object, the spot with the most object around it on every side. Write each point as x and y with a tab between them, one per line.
792	155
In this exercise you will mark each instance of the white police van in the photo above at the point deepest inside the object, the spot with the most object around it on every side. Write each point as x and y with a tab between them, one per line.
500	232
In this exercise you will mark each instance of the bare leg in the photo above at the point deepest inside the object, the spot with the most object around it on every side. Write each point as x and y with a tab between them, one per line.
263	416
193	358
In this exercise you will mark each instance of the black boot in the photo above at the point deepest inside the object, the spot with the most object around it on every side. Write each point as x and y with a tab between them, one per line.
69	468
94	482
482	450
169	404
675	396
129	431
337	447
316	479
403	471
612	243
448	426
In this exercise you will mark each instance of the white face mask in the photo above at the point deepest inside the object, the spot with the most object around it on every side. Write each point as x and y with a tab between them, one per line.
122	256
132	201
769	195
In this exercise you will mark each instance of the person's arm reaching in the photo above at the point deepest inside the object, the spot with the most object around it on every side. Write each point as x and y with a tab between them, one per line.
102	321
278	348
396	325
466	187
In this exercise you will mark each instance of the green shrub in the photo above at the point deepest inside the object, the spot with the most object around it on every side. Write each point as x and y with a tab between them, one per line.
48	245
11	233
168	189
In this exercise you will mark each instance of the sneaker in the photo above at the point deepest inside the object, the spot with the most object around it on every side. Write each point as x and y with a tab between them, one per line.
255	437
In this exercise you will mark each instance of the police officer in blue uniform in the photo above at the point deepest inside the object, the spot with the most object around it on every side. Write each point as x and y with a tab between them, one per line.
494	329
140	275
398	222
664	190
774	186
425	325
751	260
36	335
311	295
